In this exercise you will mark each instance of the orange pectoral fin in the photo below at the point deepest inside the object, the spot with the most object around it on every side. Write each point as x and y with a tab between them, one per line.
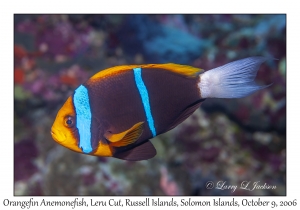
127	137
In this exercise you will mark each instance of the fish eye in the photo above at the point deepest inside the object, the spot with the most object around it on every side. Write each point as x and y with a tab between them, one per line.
69	121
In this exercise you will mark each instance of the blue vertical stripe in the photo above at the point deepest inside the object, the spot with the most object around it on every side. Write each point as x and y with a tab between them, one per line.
83	118
145	98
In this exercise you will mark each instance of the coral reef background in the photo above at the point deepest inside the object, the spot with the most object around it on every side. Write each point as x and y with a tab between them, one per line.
225	141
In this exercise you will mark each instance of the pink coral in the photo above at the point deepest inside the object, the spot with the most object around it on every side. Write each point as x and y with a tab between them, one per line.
168	186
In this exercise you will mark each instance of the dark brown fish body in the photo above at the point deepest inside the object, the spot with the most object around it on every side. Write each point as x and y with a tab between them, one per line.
119	106
119	109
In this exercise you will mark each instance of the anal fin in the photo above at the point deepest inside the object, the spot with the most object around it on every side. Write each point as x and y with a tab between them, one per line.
142	152
185	114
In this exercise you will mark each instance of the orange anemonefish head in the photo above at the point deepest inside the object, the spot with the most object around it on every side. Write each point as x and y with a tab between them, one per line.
64	129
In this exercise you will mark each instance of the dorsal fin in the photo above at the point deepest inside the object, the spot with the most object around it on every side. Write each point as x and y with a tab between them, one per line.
185	70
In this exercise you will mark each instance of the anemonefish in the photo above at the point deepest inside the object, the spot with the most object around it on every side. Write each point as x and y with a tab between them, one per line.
117	111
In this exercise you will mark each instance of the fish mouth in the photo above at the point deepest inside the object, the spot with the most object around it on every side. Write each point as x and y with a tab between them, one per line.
57	135
53	134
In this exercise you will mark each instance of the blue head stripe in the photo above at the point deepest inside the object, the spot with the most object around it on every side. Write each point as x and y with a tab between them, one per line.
145	98
83	118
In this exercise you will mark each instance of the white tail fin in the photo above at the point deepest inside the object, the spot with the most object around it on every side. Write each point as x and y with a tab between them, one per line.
233	80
